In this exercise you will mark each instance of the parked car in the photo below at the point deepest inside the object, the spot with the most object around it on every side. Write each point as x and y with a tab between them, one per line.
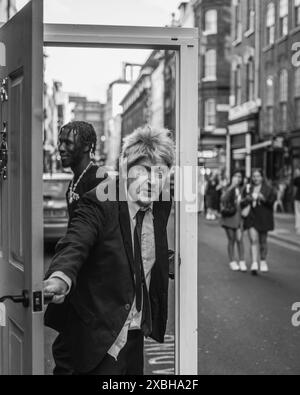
55	206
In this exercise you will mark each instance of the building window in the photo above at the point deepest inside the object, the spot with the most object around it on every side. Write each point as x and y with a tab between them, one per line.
297	12
237	20
270	105
283	98
211	22
297	96
297	111
283	17
237	76
250	15
210	114
210	64
250	79
270	23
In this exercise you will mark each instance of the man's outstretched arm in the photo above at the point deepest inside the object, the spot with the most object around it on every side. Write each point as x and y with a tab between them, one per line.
72	251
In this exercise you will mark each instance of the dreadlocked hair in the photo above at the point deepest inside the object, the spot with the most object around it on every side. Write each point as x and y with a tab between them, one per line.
85	131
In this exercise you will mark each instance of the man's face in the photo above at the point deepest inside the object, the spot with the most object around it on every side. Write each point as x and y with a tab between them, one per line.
70	149
146	181
297	172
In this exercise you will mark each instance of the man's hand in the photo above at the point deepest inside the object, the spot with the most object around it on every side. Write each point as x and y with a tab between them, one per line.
55	288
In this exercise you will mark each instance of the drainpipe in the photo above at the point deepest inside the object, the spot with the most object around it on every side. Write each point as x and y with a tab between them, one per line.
228	155
248	155
257	48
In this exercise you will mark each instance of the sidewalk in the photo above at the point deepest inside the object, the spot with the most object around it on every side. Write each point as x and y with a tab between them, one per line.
285	229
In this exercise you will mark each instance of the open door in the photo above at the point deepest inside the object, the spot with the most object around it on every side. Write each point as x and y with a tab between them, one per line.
21	213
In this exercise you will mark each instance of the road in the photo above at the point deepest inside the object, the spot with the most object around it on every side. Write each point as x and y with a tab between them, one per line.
244	321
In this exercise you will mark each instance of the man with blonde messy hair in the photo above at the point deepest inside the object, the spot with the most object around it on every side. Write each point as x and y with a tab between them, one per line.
114	264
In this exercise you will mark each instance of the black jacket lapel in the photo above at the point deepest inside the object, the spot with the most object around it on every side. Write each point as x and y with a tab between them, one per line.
126	233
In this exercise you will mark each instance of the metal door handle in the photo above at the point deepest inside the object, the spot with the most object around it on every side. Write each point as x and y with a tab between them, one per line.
24	298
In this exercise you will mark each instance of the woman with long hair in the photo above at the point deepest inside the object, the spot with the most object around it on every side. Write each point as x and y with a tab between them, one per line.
258	199
212	197
232	222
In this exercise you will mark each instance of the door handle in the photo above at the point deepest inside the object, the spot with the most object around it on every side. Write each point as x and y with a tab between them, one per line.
24	298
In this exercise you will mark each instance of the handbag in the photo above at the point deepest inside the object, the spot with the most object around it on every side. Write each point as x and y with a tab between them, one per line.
228	210
228	205
246	211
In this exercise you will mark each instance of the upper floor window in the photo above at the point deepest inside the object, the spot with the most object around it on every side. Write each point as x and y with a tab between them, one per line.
250	14
237	83
210	113
283	17
211	64
270	105
270	91
297	82
283	98
270	23
297	12
211	22
297	96
283	86
250	79
237	19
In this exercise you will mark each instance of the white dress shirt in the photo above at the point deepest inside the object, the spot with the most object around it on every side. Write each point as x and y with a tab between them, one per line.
148	256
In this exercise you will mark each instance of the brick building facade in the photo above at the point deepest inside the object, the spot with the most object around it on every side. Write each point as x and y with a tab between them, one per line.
264	119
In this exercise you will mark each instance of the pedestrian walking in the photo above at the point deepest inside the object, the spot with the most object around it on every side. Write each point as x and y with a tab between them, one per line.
232	222
297	200
212	197
258	201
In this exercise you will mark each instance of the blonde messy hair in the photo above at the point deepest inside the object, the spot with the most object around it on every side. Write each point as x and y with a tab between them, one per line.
148	143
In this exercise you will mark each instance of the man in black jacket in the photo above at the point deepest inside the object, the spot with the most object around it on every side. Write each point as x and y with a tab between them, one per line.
113	263
76	144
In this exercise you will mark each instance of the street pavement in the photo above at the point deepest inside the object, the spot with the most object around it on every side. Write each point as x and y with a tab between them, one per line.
244	321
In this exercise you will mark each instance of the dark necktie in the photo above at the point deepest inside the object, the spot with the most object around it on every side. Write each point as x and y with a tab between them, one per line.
138	260
140	280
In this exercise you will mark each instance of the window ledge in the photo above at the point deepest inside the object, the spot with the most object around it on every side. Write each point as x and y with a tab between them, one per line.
209	129
209	79
249	32
236	42
208	33
281	39
268	47
295	30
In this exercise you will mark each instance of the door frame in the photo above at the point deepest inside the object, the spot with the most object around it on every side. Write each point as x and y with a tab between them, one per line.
185	42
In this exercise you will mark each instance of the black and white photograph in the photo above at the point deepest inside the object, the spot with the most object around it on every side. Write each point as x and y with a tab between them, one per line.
149	190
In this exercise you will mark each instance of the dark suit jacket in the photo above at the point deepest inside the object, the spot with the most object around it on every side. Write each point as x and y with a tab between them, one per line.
97	255
56	313
260	217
